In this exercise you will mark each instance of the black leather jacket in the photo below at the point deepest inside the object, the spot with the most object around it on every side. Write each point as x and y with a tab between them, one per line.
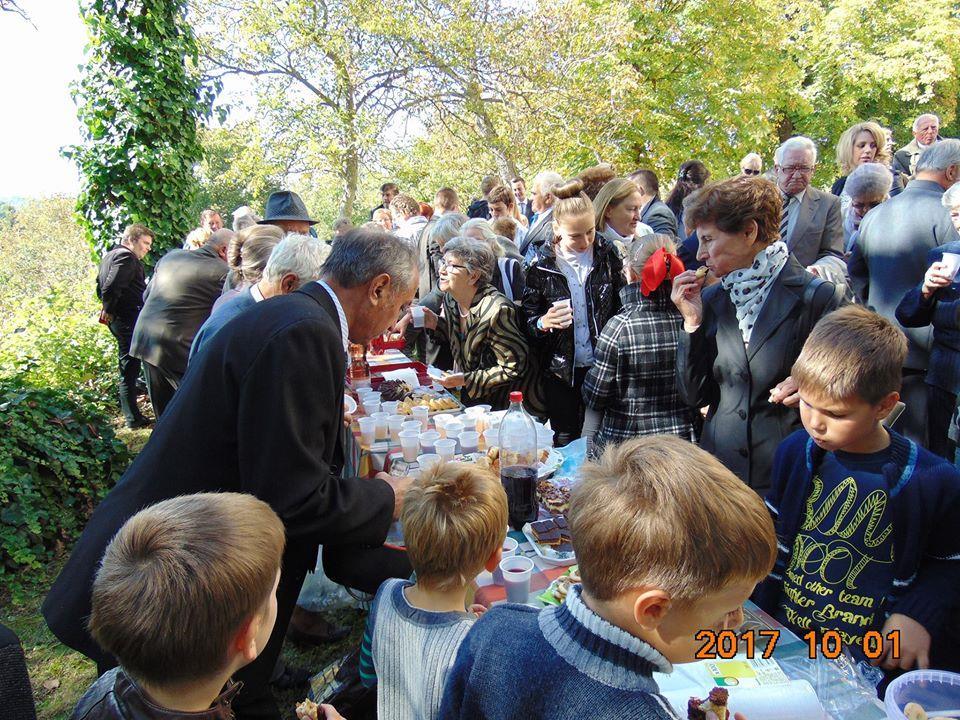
546	284
116	697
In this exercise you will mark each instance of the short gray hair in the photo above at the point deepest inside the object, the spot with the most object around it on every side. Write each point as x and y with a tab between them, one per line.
444	228
547	180
797	142
475	254
360	255
951	198
301	255
939	156
869	180
480	224
244	217
920	119
220	238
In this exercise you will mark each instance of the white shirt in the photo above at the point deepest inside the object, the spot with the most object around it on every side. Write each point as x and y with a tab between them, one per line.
344	328
576	267
255	293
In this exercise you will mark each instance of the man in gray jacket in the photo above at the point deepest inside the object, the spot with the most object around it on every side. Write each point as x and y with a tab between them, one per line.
890	258
926	132
178	300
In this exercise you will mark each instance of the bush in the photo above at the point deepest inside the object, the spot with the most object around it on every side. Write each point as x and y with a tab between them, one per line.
58	458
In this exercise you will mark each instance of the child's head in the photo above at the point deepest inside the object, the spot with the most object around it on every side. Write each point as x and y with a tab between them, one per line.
187	587
848	375
454	522
669	541
573	217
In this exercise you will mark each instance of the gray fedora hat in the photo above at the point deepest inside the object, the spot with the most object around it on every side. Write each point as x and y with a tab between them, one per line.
286	205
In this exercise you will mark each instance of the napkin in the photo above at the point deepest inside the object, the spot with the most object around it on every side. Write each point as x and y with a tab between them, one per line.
407	375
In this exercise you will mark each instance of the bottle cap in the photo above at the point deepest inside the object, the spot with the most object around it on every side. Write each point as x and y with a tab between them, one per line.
516	396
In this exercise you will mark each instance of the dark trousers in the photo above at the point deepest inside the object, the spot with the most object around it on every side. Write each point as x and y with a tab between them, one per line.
940	407
913	392
161	385
565	405
129	367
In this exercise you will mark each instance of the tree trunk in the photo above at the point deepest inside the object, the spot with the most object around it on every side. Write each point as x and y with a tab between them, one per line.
350	176
506	167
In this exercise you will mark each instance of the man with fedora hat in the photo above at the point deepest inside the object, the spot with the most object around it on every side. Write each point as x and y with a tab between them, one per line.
286	210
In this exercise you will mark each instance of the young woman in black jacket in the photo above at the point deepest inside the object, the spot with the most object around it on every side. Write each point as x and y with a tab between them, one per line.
573	288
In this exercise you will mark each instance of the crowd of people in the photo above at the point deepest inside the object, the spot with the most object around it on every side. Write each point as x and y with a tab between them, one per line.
758	368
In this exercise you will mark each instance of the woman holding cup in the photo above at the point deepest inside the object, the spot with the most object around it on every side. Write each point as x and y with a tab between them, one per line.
573	288
936	301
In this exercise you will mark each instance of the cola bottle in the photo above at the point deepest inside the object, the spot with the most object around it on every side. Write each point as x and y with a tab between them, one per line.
518	462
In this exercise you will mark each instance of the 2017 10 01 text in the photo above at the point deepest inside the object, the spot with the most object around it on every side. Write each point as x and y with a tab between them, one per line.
727	644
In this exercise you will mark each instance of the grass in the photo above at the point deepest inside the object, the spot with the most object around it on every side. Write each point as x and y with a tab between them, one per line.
60	675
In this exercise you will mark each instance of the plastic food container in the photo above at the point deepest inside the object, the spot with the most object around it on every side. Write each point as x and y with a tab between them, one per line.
936	690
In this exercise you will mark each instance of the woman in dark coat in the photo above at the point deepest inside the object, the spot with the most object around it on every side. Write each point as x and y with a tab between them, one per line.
742	335
582	272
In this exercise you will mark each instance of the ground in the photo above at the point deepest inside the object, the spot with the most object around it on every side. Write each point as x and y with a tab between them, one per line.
60	676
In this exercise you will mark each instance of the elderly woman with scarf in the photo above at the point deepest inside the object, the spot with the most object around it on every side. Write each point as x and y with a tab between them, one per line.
742	335
631	389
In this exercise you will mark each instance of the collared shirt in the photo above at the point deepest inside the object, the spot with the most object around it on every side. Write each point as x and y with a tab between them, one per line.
344	328
255	292
797	201
576	267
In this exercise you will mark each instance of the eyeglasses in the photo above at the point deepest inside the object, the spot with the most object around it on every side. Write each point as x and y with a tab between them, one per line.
749	171
443	264
797	169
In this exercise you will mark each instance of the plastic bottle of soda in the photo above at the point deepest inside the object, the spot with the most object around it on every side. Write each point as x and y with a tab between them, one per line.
518	462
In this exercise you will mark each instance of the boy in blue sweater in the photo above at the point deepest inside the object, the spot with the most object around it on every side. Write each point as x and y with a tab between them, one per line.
669	543
866	519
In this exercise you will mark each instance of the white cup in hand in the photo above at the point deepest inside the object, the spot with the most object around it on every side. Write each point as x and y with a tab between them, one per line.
416	311
952	262
564	308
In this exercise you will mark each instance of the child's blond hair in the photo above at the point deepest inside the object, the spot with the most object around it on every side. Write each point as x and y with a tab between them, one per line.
658	511
454	519
179	580
852	352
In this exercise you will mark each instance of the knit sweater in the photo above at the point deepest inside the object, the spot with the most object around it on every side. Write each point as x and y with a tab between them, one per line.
924	497
407	653
562	663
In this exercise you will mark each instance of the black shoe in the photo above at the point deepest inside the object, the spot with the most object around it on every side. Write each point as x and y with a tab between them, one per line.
291	677
313	629
140	422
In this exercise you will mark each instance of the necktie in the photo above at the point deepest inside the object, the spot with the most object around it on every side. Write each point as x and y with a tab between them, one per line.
785	219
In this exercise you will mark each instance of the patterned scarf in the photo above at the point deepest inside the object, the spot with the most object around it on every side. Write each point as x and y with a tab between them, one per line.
748	288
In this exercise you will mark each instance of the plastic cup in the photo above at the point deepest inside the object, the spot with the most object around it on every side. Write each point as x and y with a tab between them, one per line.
412	425
395	423
427	461
491	437
416	311
362	392
469	441
469	422
453	428
544	438
477	410
516	578
953	264
383	431
410	445
389	406
368	431
509	550
428	440
374	395
440	421
421	413
446	448
371	406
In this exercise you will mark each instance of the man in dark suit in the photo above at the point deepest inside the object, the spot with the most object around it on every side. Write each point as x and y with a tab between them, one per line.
810	225
120	286
178	300
260	411
655	212
519	187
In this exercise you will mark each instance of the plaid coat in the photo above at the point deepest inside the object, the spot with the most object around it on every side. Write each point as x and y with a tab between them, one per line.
633	379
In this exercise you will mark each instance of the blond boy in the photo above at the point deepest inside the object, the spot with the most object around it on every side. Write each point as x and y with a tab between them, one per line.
185	597
454	523
865	518
669	543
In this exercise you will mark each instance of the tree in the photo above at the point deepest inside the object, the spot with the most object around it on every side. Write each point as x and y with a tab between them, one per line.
139	101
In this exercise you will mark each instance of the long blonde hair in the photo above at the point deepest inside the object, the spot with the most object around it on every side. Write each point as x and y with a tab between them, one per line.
845	157
611	195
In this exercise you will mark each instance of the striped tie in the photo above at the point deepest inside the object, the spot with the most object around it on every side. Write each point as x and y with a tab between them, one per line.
785	220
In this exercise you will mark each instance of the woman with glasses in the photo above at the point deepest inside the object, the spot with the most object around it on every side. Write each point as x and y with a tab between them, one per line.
742	335
573	289
751	165
480	325
860	144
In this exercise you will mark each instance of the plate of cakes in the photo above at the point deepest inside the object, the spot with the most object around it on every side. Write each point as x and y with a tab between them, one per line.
551	541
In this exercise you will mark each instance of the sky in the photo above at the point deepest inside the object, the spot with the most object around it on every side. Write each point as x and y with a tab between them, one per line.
38	116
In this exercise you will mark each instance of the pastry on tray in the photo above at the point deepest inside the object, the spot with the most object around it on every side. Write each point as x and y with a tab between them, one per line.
716	702
308	710
555	498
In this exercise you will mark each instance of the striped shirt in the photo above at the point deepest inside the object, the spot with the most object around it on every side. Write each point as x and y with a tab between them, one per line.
408	653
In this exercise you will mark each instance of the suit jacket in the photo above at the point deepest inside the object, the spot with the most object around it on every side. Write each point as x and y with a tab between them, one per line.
120	284
817	236
905	159
259	412
526	209
890	255
540	232
178	300
657	215
715	369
